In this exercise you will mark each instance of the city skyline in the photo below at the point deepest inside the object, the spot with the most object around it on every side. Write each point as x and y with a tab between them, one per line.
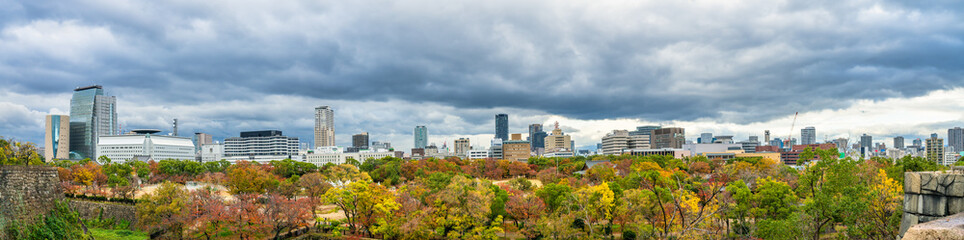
874	68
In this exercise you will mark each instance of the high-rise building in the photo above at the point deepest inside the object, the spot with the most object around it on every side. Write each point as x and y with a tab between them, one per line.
537	137
516	148
502	126
955	138
935	148
92	114
705	138
495	149
644	130
615	142
808	135
766	136
899	142
866	144
360	140
672	137
57	137
866	141
841	144
261	146
421	137
324	126
462	147
558	141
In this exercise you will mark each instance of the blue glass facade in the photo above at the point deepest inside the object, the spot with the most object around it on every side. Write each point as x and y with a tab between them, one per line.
83	138
502	126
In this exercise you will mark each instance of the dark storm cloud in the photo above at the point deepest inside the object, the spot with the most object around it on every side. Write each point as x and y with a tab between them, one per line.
741	61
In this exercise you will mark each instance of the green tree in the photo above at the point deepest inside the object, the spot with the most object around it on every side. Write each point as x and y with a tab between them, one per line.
774	199
554	195
833	193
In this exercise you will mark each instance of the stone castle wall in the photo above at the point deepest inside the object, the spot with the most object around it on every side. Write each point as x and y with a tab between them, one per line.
931	195
27	191
116	211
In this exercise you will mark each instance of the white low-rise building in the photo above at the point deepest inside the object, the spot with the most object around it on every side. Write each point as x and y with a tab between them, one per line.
477	154
212	152
144	145
559	154
337	155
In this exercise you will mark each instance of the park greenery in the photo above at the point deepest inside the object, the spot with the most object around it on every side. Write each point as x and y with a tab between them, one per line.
618	197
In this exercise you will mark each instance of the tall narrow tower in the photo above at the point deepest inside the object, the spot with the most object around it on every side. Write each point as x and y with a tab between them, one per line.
175	127
502	126
324	126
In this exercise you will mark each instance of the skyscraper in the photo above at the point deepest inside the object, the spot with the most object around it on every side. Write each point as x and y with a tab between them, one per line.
899	142
866	141
201	139
324	126
766	136
462	147
502	126
808	136
92	114
537	137
421	137
57	138
955	138
360	140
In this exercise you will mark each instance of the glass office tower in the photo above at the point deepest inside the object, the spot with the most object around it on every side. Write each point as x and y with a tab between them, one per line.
92	114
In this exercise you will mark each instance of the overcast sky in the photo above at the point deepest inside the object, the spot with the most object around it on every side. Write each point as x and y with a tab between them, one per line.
884	68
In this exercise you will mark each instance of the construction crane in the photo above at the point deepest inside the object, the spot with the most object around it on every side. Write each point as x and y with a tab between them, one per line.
791	127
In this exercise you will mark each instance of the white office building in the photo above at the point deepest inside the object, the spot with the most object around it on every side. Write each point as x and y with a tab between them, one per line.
477	154
143	145
261	146
337	155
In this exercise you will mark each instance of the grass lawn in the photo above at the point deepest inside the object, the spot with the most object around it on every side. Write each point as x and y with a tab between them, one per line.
109	234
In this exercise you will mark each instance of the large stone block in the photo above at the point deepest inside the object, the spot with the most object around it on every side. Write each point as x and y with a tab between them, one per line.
954	184
911	182
912	203
951	227
930	183
907	221
955	205
933	205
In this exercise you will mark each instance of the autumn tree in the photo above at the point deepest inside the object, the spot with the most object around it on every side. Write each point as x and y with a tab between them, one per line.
593	204
363	202
207	213
160	212
282	213
244	178
461	210
525	208
315	186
